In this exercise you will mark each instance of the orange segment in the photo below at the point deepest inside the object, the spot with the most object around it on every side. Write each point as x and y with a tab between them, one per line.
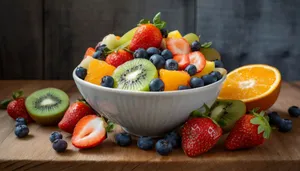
174	79
257	85
98	69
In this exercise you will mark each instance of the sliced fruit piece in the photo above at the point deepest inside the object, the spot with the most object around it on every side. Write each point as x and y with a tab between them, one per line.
86	62
118	37
257	85
89	52
174	79
197	59
118	58
111	41
209	67
89	132
191	37
210	54
174	34
223	71
227	112
163	44
178	46
127	36
97	70
47	106
182	60
135	75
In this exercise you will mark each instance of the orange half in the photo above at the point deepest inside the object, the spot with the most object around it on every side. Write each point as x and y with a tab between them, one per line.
257	85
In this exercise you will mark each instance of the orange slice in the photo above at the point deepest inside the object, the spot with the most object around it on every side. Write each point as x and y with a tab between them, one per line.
97	70
174	79
257	85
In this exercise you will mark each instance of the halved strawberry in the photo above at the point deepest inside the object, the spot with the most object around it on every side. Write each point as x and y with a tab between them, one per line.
182	60
178	46
89	52
197	59
89	132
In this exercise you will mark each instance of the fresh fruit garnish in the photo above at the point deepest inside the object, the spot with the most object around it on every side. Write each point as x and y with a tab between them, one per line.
257	85
166	54
123	139
156	85
135	75
118	58
127	36
97	70
140	53
274	118
219	64
197	59
285	125
21	131
75	112
164	33
171	64
182	60
60	145
47	106
210	54
174	139
158	61
89	132
86	62
89	52
209	79
174	34
107	81
178	46
249	131
152	51
174	79
294	111
209	67
163	147
227	112
195	46
199	135
54	136
163	43
111	41
181	87
81	72
191	69
191	37
221	70
216	74
196	82
20	121
145	143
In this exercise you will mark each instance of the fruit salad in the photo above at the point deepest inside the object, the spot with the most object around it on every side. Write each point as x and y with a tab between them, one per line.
149	58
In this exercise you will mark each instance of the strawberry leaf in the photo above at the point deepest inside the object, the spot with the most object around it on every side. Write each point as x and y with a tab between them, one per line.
263	123
206	44
110	126
260	129
254	110
157	21
17	94
144	21
4	103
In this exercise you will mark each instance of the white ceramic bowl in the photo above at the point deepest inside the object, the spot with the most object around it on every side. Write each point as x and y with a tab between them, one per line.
147	113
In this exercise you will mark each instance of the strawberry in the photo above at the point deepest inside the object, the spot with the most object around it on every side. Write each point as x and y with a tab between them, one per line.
182	60
249	131
16	107
89	132
178	46
75	112
118	58
197	59
199	135
146	35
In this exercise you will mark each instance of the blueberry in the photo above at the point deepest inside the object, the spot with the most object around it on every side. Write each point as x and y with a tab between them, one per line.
216	74
55	135
191	69
20	121
285	125
60	145
107	81
21	131
196	46
209	79
174	139
182	87
219	64
164	33
157	85
294	111
145	143
100	54
163	147
81	72
152	51
101	47
171	64
274	118
158	61
140	53
123	139
166	54
196	82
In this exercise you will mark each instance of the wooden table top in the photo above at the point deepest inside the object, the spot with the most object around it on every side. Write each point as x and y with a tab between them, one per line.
281	152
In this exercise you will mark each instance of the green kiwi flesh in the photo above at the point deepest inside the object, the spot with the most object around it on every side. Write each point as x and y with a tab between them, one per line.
210	54
47	106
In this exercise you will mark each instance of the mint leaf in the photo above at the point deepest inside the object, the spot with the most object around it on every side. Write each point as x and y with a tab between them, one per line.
161	25
4	103
144	21
157	21
206	44
156	18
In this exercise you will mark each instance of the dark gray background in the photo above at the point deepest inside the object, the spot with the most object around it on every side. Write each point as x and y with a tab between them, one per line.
46	39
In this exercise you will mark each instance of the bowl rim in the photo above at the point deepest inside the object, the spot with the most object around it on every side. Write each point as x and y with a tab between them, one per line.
160	93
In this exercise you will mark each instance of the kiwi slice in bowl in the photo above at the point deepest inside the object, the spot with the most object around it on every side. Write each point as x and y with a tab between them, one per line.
135	75
47	106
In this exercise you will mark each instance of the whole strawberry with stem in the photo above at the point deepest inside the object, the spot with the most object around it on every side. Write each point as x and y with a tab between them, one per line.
249	131
199	135
16	106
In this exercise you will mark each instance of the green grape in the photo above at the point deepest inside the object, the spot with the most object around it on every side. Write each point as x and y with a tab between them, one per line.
191	37
111	41
127	36
210	54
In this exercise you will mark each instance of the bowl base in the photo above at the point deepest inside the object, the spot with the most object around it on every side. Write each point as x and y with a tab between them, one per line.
137	135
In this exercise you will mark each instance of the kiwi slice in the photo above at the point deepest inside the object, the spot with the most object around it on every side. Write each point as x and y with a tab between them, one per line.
135	75
227	112
210	54
47	106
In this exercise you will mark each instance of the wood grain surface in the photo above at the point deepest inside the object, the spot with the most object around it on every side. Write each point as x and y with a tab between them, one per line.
280	153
